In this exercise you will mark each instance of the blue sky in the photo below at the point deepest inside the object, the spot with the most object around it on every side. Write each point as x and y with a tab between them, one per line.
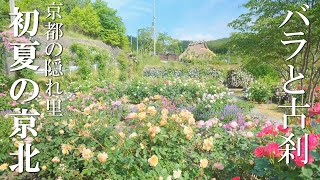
181	19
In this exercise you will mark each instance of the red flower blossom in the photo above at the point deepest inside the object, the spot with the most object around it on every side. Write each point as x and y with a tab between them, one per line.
259	151
236	178
299	159
314	110
269	130
313	141
282	129
272	150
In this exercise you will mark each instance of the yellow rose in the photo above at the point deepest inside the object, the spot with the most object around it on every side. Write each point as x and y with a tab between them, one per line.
203	163
87	125
165	112
71	124
55	160
87	154
66	148
102	157
185	114
122	135
153	161
81	147
176	118
163	122
87	111
188	132
208	144
125	99
141	146
153	130
78	94
141	107
152	111
142	116
145	100
133	135
84	133
157	97
44	168
4	166
191	120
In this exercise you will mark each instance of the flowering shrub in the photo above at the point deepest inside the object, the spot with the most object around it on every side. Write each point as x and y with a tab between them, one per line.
238	79
8	38
194	72
178	90
269	154
210	105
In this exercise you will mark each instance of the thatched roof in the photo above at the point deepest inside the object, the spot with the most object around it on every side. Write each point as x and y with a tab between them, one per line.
197	50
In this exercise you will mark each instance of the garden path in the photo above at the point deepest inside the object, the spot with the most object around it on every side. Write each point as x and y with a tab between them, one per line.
269	111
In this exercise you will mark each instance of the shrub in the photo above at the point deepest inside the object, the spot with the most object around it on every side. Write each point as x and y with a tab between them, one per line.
260	93
83	60
123	66
238	79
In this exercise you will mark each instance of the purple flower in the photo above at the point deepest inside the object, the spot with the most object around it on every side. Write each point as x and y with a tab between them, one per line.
231	112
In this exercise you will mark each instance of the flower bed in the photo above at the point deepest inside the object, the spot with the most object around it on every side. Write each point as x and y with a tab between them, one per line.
104	135
192	72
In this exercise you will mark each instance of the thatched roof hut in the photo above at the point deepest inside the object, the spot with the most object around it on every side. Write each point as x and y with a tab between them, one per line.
197	51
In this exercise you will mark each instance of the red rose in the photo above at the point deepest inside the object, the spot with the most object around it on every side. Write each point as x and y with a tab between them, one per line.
259	151
282	129
272	149
236	178
313	141
299	160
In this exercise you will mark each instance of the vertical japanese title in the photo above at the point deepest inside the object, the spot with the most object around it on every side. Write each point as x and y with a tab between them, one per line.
299	151
24	55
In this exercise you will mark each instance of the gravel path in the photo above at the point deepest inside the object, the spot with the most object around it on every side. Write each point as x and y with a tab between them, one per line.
269	111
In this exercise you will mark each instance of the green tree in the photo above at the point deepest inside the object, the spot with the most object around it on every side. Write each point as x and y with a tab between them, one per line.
4	14
166	43
145	39
260	38
113	29
85	20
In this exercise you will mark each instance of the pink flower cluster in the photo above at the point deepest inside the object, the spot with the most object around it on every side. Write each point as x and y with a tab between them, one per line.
7	39
269	130
208	123
315	110
273	150
313	142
